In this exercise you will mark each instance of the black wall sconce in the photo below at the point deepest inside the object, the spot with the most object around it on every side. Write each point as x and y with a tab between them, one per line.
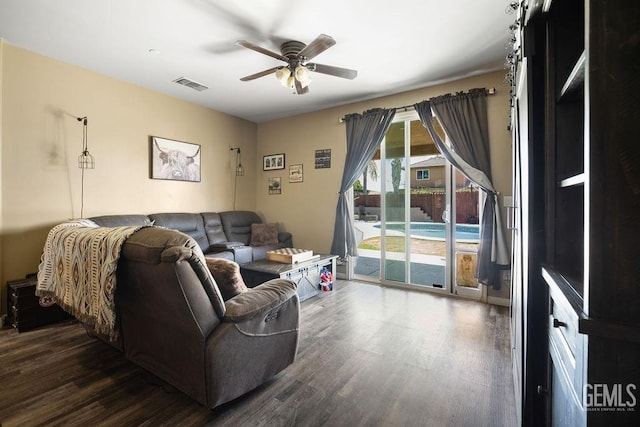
85	160
239	168
239	172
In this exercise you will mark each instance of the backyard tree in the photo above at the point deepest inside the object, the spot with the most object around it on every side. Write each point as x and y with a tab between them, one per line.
396	173
371	170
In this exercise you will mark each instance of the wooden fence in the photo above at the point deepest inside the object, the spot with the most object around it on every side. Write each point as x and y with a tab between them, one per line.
432	204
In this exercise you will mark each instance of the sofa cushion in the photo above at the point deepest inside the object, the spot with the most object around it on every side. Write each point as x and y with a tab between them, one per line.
213	227
264	234
188	223
224	255
237	225
227	276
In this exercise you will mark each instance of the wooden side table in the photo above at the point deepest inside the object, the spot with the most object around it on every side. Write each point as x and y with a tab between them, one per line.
26	311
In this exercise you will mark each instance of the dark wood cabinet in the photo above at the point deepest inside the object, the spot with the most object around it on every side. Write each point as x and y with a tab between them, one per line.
529	296
576	124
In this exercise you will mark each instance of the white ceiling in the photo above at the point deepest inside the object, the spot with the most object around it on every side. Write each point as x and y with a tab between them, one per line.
395	46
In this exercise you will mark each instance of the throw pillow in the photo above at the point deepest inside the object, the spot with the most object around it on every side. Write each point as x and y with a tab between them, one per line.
227	276
264	234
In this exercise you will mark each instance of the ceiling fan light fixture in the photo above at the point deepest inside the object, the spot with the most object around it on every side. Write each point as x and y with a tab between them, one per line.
295	75
302	75
284	76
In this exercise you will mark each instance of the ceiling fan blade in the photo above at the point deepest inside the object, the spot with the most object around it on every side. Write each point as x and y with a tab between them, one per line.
260	74
345	73
260	49
316	47
301	90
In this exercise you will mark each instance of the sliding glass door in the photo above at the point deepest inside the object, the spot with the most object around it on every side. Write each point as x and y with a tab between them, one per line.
394	253
406	217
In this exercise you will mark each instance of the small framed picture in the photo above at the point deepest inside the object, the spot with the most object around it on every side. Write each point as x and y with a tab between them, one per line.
323	158
295	173
275	185
273	162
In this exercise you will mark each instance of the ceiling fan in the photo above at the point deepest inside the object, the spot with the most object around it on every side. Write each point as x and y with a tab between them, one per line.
296	54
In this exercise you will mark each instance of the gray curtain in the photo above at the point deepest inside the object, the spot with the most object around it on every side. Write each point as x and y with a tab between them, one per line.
463	117
364	135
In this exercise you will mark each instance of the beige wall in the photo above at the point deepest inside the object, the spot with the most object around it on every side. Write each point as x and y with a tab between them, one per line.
308	209
41	141
436	177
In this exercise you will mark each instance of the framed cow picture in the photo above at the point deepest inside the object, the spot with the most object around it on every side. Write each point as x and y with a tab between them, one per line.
174	160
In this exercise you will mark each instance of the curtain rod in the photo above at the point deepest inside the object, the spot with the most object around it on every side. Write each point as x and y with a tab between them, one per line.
490	91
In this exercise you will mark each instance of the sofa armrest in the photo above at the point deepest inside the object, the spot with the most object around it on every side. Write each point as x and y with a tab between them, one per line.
286	238
217	247
259	300
257	339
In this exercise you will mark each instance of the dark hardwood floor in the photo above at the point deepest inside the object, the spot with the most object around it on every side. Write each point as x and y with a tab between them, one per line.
367	356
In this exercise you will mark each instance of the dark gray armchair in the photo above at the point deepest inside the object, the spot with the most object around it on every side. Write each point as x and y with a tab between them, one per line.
175	324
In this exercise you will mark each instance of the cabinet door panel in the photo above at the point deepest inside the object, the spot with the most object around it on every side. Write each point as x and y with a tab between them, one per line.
565	410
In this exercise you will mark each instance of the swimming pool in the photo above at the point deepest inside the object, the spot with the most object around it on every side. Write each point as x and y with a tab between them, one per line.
435	230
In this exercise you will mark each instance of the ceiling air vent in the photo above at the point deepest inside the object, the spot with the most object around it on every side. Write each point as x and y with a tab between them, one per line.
190	83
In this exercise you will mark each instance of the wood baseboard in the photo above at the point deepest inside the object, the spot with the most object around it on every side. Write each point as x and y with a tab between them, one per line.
505	302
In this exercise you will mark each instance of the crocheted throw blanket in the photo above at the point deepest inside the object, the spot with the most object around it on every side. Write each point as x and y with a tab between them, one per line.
78	269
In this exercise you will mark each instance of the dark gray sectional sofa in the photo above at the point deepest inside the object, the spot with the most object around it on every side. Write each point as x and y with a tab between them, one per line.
219	234
173	320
